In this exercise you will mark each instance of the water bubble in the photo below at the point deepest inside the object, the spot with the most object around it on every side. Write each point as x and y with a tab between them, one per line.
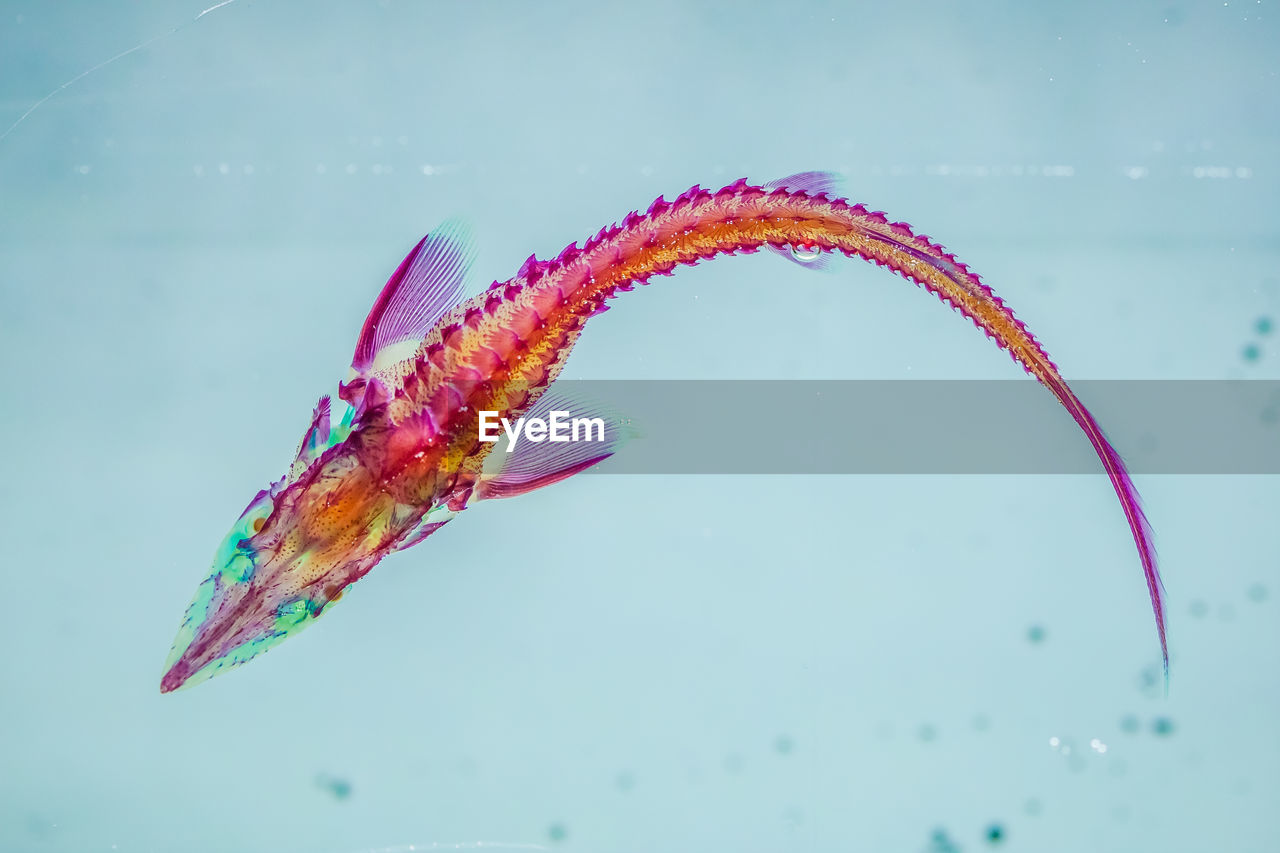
1129	724
995	833
784	745
1262	325
1032	807
1035	634
1251	352
626	780
339	788
1256	593
557	832
1150	679
927	733
940	842
1162	726
805	254
1198	609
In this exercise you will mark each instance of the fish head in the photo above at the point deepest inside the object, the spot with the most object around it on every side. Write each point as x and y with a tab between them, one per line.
290	554
295	548
236	613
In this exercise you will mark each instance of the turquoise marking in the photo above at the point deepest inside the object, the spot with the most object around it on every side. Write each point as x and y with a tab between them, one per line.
291	613
238	568
338	432
196	614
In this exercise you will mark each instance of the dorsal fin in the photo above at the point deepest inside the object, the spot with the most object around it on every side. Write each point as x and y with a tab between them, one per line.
427	284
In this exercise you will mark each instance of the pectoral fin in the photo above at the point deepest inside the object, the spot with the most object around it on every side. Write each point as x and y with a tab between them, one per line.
532	465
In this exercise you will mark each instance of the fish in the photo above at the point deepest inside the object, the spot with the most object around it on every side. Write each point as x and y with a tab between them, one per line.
400	453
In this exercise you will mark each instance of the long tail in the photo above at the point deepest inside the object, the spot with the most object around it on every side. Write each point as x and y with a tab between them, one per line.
700	224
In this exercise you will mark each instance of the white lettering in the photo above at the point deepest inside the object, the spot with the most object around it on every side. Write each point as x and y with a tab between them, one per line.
559	427
512	434
587	424
488	421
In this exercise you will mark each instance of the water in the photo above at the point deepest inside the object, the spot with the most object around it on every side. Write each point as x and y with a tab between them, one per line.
192	235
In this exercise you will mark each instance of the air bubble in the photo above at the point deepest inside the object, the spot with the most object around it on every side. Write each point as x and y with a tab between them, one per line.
339	788
805	254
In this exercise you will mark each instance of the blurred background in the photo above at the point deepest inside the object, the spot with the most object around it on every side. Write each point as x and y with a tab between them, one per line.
191	234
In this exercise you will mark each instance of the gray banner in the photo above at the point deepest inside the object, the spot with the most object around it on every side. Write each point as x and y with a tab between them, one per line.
935	427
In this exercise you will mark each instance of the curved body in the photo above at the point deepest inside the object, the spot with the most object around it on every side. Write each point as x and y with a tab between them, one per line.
406	457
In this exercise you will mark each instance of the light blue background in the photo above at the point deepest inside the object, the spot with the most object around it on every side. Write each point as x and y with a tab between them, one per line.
190	237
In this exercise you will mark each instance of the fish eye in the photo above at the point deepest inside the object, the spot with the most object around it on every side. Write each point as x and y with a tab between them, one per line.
258	523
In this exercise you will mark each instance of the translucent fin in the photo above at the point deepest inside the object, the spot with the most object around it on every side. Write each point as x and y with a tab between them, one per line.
532	465
427	284
422	531
430	523
812	183
314	441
